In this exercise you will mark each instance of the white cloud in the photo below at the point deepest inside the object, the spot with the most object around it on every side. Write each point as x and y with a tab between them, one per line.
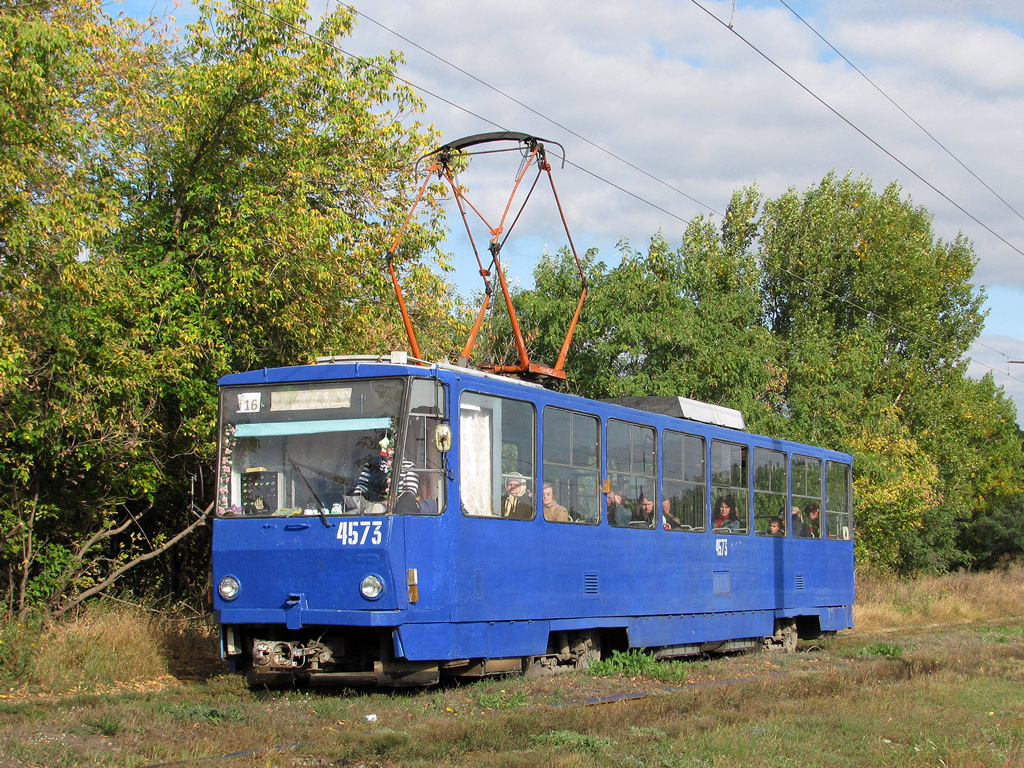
665	86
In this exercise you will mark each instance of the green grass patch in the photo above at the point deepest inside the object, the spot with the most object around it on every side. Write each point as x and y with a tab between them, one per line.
107	724
884	650
502	699
195	712
1001	634
638	663
571	740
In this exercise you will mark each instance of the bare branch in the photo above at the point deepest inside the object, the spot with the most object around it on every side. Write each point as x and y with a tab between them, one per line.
98	588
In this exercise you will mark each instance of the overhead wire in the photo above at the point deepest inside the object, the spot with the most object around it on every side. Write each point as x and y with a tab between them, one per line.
923	130
862	132
488	121
906	114
539	114
731	27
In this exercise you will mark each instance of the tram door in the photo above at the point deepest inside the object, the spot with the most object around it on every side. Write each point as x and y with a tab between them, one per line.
420	518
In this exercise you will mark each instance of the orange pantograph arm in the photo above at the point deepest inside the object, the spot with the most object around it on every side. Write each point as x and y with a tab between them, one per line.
440	166
414	347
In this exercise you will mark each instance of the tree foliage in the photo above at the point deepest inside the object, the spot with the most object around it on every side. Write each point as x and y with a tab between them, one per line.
176	208
172	210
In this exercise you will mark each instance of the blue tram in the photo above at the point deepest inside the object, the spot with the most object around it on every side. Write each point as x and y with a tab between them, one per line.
381	521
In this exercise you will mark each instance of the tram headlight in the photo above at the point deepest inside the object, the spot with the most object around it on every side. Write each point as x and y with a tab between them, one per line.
228	587
371	587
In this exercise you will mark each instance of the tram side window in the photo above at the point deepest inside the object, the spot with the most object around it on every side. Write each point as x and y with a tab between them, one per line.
770	486
684	490
497	457
838	501
730	478
426	412
806	512
572	477
632	475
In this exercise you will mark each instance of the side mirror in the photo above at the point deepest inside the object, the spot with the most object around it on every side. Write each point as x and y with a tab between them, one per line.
443	437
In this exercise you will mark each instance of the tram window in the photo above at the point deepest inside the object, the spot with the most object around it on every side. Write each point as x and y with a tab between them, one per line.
572	477
730	477
684	490
770	497
426	412
632	475
806	512
838	501
303	448
497	450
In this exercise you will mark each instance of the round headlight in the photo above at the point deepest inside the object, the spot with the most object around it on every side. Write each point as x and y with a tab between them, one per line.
371	587
228	587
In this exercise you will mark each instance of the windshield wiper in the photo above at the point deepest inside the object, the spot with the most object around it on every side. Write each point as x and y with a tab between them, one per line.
319	504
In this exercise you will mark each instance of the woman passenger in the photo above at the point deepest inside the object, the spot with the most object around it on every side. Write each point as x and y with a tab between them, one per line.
725	519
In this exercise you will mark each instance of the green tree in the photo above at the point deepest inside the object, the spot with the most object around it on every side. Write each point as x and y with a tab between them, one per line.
63	69
658	322
873	316
173	211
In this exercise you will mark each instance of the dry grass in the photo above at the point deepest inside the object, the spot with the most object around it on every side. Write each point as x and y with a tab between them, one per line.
888	602
952	697
110	645
100	645
116	645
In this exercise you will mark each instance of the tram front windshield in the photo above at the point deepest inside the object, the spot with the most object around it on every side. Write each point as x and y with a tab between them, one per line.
312	449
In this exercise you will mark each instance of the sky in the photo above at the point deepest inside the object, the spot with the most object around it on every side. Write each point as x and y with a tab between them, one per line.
666	107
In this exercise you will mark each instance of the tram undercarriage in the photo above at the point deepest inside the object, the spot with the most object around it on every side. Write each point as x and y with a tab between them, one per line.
328	656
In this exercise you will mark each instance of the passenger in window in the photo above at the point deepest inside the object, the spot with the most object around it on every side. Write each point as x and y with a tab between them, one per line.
668	520
425	504
775	527
553	511
618	513
374	481
813	521
725	520
798	525
516	503
645	512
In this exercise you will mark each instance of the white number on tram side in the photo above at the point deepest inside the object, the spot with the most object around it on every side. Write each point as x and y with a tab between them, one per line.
722	547
355	532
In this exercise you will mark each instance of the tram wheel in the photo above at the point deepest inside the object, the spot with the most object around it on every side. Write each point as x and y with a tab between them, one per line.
785	637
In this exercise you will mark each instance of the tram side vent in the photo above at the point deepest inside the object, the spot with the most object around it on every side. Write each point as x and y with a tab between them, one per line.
590	584
799	580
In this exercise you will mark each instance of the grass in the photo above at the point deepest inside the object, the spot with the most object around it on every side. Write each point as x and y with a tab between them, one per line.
502	699
578	742
887	601
875	711
106	646
932	675
100	645
882	649
638	663
1001	634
